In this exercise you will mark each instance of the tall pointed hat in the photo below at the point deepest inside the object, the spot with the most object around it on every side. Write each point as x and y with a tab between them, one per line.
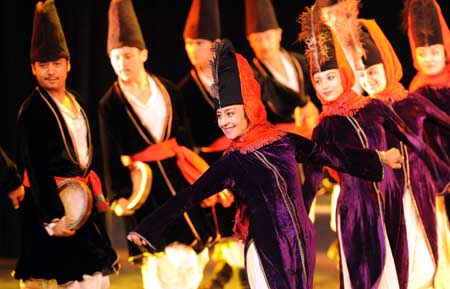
47	41
422	21
259	16
123	26
326	3
235	83
203	20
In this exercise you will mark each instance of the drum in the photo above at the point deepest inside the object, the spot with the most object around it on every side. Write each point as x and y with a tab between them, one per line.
77	199
141	179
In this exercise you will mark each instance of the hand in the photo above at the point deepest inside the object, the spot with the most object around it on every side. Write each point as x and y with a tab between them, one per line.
226	198
120	208
135	238
392	158
61	229
311	114
17	196
210	201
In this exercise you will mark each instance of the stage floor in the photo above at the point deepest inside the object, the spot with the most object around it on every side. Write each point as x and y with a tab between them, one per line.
326	274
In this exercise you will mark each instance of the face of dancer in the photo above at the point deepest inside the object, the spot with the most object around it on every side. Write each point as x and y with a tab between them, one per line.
198	51
266	44
128	62
373	79
232	120
51	75
431	59
328	84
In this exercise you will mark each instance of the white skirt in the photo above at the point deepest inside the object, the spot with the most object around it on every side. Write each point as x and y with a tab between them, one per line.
255	272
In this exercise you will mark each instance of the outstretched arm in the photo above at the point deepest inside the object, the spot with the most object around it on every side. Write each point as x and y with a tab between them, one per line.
363	163
152	227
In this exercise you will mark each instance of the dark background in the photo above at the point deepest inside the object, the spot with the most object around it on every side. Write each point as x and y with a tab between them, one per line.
162	23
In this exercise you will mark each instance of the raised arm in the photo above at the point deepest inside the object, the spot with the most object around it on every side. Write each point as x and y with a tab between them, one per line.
362	163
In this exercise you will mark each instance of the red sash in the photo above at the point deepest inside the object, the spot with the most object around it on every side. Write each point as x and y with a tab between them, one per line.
191	165
220	144
91	180
291	127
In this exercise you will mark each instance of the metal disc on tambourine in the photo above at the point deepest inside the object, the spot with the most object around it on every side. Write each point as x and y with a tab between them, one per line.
77	200
141	179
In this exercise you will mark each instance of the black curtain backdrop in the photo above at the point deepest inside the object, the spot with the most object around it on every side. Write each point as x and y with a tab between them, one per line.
162	22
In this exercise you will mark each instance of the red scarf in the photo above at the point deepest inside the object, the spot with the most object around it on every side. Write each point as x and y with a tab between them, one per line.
261	132
394	90
346	105
439	80
257	137
349	102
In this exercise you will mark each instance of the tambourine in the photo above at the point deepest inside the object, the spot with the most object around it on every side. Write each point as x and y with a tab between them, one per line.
141	180
77	200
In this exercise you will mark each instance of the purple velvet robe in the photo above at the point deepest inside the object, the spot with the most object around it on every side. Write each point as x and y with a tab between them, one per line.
267	181
436	137
365	207
415	110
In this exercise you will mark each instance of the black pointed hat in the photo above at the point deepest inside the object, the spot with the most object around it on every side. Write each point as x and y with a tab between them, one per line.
203	20
372	54
259	16
123	26
226	89
424	23
47	41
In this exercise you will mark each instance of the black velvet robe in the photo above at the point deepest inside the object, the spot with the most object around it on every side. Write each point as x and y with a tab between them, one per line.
200	113
280	100
121	136
9	177
202	120
47	150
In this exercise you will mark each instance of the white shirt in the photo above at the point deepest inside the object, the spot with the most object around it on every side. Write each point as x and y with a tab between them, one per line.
78	130
153	113
291	79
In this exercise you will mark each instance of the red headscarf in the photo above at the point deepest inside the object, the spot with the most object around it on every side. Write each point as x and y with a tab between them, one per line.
394	89
349	102
261	131
441	79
